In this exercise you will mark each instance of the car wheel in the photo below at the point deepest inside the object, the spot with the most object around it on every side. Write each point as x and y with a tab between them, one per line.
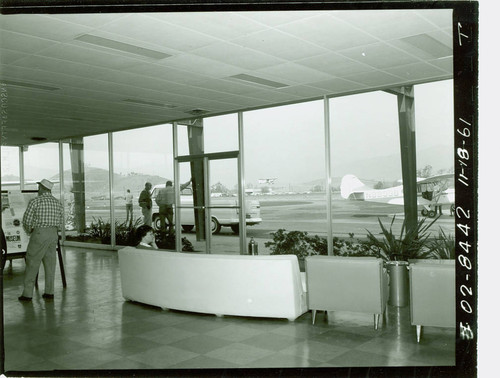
424	212
156	222
215	226
432	214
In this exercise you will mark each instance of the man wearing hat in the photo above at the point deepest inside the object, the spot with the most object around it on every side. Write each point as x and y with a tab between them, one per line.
42	220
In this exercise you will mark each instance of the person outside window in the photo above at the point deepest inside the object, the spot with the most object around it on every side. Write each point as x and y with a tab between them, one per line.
129	198
146	236
146	203
42	220
165	200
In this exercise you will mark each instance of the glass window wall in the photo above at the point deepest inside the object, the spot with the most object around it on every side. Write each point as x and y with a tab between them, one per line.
285	175
139	156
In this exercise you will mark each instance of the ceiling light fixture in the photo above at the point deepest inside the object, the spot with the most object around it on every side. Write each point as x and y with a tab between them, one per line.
258	80
120	46
149	103
25	85
428	44
197	111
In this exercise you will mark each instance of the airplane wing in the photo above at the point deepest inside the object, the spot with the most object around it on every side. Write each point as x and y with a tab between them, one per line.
436	178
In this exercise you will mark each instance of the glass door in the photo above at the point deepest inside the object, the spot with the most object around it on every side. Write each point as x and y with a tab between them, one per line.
209	215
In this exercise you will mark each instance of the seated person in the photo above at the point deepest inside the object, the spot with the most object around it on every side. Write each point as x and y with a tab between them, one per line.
146	237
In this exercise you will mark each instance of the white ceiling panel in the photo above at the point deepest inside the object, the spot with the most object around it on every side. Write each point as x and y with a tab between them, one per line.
10	56
235	25
375	79
205	66
237	56
335	64
417	71
79	54
329	32
22	42
292	73
378	55
147	29
43	27
279	44
126	70
388	25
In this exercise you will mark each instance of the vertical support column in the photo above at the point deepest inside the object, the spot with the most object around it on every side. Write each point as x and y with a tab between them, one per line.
78	177
196	147
406	113
241	186
62	196
21	166
111	190
207	212
177	214
328	175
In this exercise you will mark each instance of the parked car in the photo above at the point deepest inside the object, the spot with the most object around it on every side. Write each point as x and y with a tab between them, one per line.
220	216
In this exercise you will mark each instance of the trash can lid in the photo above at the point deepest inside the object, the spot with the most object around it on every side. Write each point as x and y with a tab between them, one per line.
397	262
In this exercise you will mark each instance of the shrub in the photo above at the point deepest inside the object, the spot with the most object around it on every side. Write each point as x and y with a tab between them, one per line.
124	232
299	243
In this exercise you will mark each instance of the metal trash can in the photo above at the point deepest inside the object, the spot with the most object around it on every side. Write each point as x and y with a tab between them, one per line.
398	283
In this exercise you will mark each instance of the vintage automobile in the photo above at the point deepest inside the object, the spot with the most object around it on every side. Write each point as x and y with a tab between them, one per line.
223	214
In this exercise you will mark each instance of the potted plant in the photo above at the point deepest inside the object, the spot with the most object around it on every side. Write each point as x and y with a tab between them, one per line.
397	249
443	247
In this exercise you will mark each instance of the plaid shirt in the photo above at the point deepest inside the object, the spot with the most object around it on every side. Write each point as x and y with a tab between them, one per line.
43	211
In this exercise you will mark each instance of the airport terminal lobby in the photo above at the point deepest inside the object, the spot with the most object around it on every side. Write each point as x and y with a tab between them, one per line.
96	75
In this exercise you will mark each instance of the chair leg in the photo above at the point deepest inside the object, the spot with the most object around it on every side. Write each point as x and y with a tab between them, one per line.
313	316
376	318
419	330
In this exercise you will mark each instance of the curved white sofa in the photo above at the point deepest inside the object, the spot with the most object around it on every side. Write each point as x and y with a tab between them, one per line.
261	286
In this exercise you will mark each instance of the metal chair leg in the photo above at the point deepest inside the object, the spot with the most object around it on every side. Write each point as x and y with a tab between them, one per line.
419	330
313	316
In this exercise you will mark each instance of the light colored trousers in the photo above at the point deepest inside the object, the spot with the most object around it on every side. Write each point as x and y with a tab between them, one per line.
146	216
41	249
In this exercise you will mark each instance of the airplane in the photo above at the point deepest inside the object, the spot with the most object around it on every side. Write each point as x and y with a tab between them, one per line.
434	192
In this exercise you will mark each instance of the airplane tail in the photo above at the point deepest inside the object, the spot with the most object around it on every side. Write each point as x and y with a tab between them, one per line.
350	184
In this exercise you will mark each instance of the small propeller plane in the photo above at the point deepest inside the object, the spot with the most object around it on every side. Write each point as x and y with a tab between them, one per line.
432	192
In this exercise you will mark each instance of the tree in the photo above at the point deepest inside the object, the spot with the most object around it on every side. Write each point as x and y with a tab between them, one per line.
425	172
378	185
218	188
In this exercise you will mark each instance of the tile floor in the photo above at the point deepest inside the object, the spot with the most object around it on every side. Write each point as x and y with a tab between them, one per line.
89	326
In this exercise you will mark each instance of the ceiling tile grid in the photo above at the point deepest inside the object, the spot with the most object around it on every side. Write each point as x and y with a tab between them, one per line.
91	73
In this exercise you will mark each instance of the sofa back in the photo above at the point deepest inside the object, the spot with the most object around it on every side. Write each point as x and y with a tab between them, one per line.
268	286
340	283
432	293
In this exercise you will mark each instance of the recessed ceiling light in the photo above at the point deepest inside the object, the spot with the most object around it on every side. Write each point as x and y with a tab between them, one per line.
258	80
428	44
120	46
29	85
149	103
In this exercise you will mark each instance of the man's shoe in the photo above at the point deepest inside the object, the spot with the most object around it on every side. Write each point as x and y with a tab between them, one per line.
22	298
48	296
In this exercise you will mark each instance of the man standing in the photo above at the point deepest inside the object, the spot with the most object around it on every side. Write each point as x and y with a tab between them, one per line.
42	220
146	203
129	198
165	200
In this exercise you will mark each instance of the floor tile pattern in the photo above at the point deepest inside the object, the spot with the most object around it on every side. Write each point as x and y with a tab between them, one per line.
89	326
